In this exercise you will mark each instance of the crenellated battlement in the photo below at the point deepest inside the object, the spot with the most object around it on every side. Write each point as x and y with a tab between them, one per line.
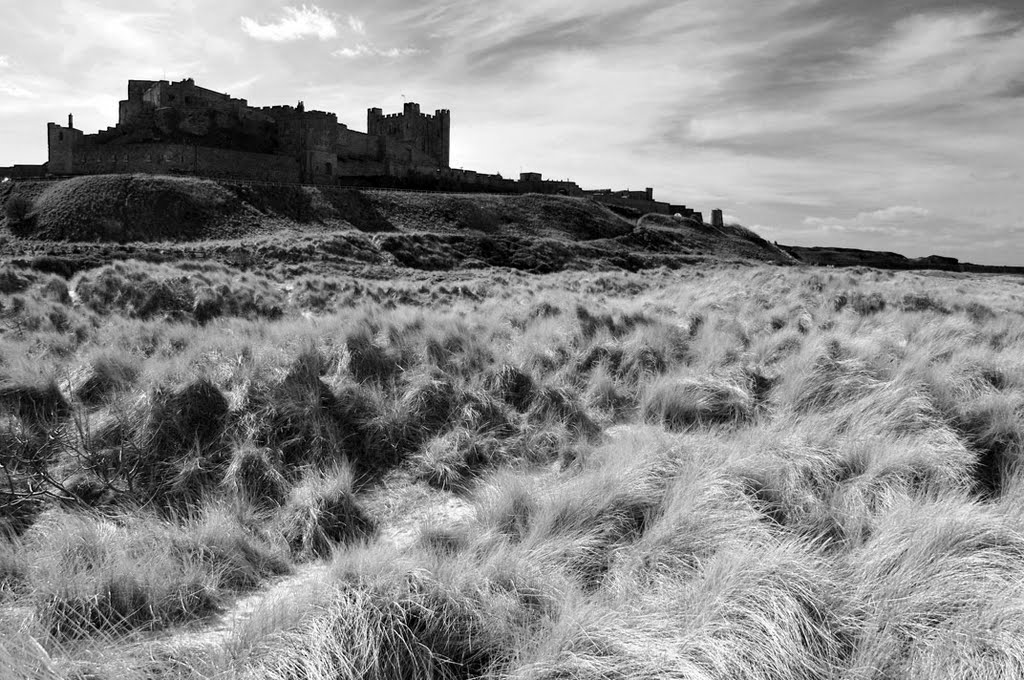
440	113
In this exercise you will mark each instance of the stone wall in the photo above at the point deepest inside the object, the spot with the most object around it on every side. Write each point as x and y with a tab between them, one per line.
636	203
548	186
183	159
354	145
23	171
359	168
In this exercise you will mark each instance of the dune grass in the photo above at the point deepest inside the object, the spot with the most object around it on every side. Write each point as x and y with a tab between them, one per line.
732	472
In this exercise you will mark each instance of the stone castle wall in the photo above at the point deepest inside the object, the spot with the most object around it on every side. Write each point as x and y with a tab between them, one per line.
640	204
22	171
184	159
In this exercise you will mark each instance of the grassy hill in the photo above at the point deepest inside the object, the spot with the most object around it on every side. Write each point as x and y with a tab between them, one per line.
160	218
154	208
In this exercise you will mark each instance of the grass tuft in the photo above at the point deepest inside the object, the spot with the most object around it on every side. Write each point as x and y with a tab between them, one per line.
683	402
321	513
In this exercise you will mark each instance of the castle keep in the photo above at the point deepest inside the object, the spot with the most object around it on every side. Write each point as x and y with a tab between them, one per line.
179	127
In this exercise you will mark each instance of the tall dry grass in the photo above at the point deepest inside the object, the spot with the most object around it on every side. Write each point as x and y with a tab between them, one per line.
734	472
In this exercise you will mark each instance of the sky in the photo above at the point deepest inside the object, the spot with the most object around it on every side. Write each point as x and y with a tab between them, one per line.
882	124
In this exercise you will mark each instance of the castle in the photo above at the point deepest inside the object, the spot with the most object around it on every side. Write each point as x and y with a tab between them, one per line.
183	128
180	128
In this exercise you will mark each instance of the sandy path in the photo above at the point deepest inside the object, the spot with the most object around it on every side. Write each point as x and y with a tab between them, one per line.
401	507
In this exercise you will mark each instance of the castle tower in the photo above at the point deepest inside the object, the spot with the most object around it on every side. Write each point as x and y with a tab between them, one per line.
444	142
60	146
428	134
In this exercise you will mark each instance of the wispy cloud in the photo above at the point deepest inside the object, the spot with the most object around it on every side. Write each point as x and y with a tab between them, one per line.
88	26
5	61
897	219
367	50
356	25
294	23
15	90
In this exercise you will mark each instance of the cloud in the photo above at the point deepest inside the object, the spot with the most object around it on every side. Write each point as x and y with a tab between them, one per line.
5	61
366	50
357	25
711	128
293	24
898	219
15	90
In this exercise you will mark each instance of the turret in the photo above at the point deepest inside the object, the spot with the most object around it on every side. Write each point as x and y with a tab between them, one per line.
373	118
444	121
60	145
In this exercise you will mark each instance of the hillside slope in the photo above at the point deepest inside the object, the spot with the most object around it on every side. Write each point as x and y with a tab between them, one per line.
731	240
150	208
87	221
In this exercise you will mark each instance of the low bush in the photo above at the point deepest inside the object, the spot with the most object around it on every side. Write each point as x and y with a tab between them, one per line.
17	209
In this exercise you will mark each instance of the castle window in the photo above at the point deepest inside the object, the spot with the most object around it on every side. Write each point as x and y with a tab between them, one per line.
188	100
329	168
60	137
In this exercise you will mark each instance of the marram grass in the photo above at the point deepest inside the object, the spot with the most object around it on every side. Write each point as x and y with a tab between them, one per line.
731	472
